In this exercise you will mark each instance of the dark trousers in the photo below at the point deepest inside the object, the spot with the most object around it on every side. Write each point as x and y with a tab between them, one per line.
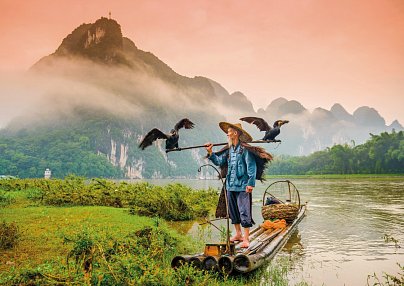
240	208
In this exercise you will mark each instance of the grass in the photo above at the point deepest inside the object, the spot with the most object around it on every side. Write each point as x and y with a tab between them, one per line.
43	230
9	235
97	245
171	202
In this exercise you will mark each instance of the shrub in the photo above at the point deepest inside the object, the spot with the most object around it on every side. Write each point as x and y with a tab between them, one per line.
173	202
137	259
9	235
6	199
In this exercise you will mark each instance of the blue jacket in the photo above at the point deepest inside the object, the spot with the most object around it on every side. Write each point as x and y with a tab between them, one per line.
241	169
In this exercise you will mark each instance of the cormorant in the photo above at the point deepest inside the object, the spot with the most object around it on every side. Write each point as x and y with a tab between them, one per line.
270	133
171	138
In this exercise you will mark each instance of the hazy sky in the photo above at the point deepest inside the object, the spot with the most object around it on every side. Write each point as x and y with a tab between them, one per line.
318	52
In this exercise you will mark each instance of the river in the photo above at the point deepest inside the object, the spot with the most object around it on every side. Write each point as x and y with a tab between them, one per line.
341	239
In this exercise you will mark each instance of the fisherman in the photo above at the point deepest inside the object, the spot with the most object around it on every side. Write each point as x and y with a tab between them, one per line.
241	160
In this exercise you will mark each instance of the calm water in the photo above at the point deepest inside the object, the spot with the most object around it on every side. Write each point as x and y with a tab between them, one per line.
340	241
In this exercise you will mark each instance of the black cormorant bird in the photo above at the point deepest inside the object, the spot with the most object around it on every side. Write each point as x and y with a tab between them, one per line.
171	138
270	133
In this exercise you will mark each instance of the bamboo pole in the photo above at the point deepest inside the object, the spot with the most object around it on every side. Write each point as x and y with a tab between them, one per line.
221	144
181	260
225	264
210	263
245	263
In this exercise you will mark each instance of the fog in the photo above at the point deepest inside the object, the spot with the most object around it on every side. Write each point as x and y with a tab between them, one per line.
59	88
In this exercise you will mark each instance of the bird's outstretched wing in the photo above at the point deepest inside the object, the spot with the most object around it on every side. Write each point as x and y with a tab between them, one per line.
259	122
186	123
150	137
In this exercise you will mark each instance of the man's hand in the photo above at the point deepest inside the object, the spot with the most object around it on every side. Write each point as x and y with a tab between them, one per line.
249	189
208	147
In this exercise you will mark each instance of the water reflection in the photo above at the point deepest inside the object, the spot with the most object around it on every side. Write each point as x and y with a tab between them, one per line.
183	227
294	250
294	244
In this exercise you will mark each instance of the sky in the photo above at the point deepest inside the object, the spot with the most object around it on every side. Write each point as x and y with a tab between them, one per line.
318	52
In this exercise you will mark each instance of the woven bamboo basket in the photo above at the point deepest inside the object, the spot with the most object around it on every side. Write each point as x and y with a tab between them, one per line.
287	212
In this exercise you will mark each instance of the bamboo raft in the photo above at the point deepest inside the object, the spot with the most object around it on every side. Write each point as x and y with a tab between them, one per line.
264	242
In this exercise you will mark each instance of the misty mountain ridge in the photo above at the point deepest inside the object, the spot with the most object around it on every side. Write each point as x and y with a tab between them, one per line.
103	44
340	112
321	128
99	77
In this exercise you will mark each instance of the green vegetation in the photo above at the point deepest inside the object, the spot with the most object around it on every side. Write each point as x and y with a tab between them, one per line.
86	145
171	202
65	150
78	244
5	199
9	235
82	149
383	153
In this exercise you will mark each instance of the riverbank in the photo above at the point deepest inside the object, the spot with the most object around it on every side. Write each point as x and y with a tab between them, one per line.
100	245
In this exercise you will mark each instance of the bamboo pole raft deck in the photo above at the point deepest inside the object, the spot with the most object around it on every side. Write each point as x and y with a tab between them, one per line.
264	244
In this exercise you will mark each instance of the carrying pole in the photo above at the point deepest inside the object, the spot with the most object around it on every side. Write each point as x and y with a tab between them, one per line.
221	144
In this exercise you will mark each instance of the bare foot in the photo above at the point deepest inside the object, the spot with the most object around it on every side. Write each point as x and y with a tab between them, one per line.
245	244
236	238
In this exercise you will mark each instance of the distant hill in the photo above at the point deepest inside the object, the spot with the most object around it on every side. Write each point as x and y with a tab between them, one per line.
310	131
340	113
98	93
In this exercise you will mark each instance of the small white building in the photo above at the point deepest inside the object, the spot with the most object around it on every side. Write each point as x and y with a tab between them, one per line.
48	173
